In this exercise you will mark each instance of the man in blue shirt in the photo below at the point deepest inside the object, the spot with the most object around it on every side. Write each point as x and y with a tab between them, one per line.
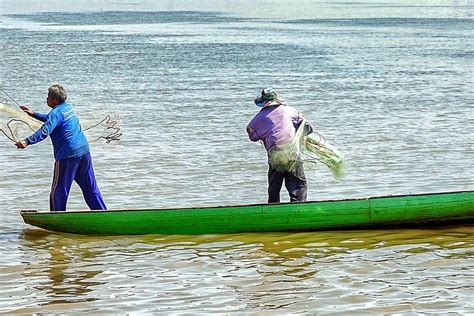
71	151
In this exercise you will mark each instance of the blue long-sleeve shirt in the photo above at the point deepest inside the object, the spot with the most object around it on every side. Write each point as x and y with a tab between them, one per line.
62	125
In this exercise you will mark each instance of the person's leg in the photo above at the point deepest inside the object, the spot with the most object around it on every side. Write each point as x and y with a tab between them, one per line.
296	185
275	181
85	178
63	175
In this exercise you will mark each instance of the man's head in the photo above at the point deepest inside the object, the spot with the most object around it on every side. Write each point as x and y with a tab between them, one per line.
56	95
266	96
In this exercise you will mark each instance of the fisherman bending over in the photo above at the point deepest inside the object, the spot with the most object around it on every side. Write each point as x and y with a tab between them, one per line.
276	125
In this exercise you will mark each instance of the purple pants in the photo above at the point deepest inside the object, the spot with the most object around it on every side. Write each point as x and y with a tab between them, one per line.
77	169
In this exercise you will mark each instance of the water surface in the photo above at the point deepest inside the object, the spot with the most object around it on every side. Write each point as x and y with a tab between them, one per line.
389	83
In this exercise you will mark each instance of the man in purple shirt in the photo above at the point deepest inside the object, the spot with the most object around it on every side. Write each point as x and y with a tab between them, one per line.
275	125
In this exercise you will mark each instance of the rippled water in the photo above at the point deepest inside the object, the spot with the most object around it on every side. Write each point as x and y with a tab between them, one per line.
390	84
363	271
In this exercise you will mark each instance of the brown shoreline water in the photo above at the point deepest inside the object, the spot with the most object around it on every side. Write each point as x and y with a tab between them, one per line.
368	271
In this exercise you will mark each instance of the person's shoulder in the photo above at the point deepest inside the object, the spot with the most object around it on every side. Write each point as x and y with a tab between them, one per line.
290	108
60	107
65	105
254	118
257	117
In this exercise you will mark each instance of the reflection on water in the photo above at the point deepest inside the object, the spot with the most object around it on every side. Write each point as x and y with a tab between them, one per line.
365	271
64	264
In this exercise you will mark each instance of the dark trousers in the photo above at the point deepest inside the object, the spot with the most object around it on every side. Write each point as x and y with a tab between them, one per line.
296	186
77	169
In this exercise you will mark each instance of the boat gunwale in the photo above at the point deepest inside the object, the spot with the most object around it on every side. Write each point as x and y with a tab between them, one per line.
33	212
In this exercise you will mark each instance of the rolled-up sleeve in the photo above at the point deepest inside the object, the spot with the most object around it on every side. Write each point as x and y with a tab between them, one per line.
253	136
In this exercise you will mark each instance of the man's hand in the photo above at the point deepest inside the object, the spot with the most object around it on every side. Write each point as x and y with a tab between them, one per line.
27	110
21	144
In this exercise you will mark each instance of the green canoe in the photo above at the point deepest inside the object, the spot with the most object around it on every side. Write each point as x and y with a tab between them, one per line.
399	211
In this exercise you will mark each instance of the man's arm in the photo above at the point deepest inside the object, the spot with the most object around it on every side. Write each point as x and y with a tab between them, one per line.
39	116
297	118
253	136
45	130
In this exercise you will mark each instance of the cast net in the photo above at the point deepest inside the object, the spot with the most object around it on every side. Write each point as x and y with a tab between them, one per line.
16	125
307	147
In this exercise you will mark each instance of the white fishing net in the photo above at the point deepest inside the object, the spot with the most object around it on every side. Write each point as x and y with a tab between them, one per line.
308	147
17	125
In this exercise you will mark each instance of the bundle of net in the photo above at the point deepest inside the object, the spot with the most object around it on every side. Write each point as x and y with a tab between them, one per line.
308	147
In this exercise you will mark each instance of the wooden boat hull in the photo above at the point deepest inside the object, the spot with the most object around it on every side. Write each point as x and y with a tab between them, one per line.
399	211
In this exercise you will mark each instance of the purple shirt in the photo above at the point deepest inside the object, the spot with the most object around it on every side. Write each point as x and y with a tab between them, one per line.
275	126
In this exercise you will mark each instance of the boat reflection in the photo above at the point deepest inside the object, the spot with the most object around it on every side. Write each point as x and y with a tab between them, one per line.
246	271
59	263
